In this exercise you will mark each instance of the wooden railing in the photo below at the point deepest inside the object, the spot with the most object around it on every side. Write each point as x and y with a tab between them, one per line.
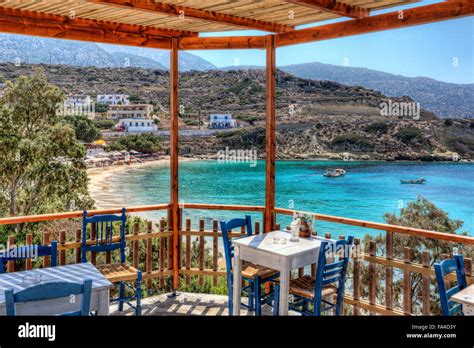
151	250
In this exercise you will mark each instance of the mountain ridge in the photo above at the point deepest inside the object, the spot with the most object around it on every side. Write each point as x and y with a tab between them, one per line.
445	99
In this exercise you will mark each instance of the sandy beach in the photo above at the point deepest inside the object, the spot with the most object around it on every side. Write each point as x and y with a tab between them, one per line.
99	185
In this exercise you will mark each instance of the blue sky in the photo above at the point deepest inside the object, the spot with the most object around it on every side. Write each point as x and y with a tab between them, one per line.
443	50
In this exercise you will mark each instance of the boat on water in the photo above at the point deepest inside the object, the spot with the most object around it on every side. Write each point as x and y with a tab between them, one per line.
334	173
415	181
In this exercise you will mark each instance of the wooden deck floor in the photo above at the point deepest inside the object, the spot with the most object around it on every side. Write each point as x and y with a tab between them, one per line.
185	304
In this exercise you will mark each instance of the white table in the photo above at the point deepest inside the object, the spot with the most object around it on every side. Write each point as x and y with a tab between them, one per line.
466	298
76	273
261	249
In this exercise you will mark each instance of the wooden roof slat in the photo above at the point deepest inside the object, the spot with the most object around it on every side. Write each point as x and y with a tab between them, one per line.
183	12
336	7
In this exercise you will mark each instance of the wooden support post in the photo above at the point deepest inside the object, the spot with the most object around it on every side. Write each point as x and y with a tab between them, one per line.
188	251
426	284
407	282
62	253
180	238
270	142
174	152
10	264
29	262
78	240
201	251
46	241
372	275
389	271
215	250
356	274
149	254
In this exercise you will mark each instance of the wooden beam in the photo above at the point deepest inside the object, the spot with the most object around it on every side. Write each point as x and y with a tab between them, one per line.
335	7
270	142
193	13
393	20
62	27
174	153
222	43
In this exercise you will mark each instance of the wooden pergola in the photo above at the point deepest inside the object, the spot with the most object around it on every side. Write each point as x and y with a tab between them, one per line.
176	25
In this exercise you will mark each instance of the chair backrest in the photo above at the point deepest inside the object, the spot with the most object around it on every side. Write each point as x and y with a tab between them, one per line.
104	233
49	291
332	265
442	269
226	227
30	251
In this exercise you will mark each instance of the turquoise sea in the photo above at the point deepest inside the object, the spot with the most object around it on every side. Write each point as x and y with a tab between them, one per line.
368	190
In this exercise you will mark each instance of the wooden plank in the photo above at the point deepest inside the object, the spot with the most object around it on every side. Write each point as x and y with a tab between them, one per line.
270	137
356	280
372	308
149	254
257	227
407	282
180	237
169	245
78	248
468	268
188	251
108	254
62	253
11	244
215	251
392	20
46	241
386	227
199	14
93	235
78	214
29	262
230	207
56	26
335	7
372	275
201	252
135	246
389	271
162	252
426	284
174	153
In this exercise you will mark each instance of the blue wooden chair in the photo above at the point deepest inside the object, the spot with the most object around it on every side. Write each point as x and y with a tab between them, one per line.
442	269
26	251
329	281
121	273
49	291
254	275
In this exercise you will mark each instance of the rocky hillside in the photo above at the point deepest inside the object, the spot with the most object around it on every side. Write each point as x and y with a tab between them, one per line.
442	98
314	118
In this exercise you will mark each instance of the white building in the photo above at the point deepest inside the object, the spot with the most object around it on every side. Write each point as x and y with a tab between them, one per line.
130	111
220	121
77	100
113	99
137	125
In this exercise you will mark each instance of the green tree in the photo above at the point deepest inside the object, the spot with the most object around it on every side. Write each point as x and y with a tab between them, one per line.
421	214
146	143
42	168
84	128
